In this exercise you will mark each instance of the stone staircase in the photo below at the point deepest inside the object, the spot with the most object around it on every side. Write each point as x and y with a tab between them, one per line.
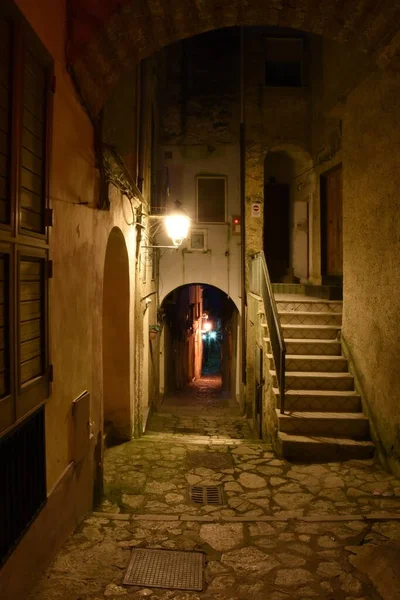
323	419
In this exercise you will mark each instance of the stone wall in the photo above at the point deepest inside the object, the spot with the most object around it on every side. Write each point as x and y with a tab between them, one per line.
372	249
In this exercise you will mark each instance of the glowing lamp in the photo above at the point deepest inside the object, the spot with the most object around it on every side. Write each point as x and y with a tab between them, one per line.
207	326
177	225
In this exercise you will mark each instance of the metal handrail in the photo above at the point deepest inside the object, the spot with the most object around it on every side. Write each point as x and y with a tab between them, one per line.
260	284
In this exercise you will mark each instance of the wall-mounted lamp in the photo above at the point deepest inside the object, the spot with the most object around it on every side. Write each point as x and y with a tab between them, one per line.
177	224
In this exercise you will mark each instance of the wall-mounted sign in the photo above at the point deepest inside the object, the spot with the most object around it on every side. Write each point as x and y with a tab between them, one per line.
255	209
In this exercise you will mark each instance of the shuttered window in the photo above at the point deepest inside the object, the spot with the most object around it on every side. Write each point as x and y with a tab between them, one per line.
4	324
25	103
211	199
7	415
32	188
5	118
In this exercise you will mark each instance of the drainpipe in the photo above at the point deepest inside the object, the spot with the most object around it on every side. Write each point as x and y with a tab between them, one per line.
243	208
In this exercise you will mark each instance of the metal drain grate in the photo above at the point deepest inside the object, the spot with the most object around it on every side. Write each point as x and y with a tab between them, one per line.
169	569
206	494
210	460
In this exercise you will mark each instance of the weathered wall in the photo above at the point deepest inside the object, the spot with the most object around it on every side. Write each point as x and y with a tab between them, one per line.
372	249
277	119
102	45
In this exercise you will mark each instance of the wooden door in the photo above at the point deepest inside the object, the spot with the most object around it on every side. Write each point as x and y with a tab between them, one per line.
332	224
277	229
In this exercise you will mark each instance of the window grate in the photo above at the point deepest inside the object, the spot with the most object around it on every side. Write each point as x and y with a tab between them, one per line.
23	477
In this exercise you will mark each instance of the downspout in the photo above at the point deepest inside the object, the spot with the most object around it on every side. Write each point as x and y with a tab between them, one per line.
243	209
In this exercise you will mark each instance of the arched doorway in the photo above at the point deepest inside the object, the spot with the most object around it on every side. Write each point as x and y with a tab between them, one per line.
116	357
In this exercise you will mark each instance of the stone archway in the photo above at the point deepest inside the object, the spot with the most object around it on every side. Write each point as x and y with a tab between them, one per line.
118	419
109	37
188	353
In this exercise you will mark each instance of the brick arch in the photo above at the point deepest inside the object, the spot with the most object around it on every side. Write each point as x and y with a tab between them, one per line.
107	37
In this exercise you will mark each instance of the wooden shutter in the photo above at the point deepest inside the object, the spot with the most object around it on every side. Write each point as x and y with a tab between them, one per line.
211	199
7	414
33	384
5	118
33	144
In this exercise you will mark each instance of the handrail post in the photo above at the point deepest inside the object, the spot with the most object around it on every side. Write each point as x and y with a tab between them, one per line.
282	383
260	283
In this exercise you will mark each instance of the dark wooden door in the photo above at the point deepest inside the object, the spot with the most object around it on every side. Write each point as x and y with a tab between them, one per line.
332	224
277	228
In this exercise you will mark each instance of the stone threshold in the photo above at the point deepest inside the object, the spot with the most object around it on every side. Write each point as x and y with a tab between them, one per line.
283	518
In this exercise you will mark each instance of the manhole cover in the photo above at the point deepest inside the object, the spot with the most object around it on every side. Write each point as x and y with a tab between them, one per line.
210	460
206	494
165	569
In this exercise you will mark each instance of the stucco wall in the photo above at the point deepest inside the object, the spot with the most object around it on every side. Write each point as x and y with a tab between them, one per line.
372	250
77	247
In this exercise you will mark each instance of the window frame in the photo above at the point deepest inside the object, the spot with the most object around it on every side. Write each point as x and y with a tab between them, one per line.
211	176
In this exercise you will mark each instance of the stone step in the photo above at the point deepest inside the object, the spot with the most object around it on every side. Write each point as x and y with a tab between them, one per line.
321	400
310	347
310	318
319	332
315	364
303	448
352	425
302	380
316	305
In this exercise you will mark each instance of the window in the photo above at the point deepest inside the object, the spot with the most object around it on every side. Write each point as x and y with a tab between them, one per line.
25	102
284	64
211	199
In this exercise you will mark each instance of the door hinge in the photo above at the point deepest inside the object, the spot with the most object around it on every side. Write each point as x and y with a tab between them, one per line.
51	373
49	269
48	217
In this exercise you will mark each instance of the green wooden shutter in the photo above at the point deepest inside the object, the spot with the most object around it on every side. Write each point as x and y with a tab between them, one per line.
33	145
5	118
32	330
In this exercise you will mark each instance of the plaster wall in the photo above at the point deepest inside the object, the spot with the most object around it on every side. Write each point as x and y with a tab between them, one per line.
78	243
371	251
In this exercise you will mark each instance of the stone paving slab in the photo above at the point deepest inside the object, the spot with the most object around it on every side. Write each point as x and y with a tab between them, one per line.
287	531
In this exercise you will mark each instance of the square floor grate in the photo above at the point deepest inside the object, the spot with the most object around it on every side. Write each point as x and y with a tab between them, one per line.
170	569
206	494
210	460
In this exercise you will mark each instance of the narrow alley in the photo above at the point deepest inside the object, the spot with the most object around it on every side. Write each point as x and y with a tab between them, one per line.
199	307
280	530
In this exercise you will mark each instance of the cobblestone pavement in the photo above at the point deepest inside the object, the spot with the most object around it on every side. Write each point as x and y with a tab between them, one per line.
285	531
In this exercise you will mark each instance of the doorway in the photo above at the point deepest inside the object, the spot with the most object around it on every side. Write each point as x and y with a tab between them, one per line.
279	170
116	356
332	227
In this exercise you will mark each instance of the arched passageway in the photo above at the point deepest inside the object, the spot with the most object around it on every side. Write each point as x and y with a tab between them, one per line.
200	349
108	38
116	356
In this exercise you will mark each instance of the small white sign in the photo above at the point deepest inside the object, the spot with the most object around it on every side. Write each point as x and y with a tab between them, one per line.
255	209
